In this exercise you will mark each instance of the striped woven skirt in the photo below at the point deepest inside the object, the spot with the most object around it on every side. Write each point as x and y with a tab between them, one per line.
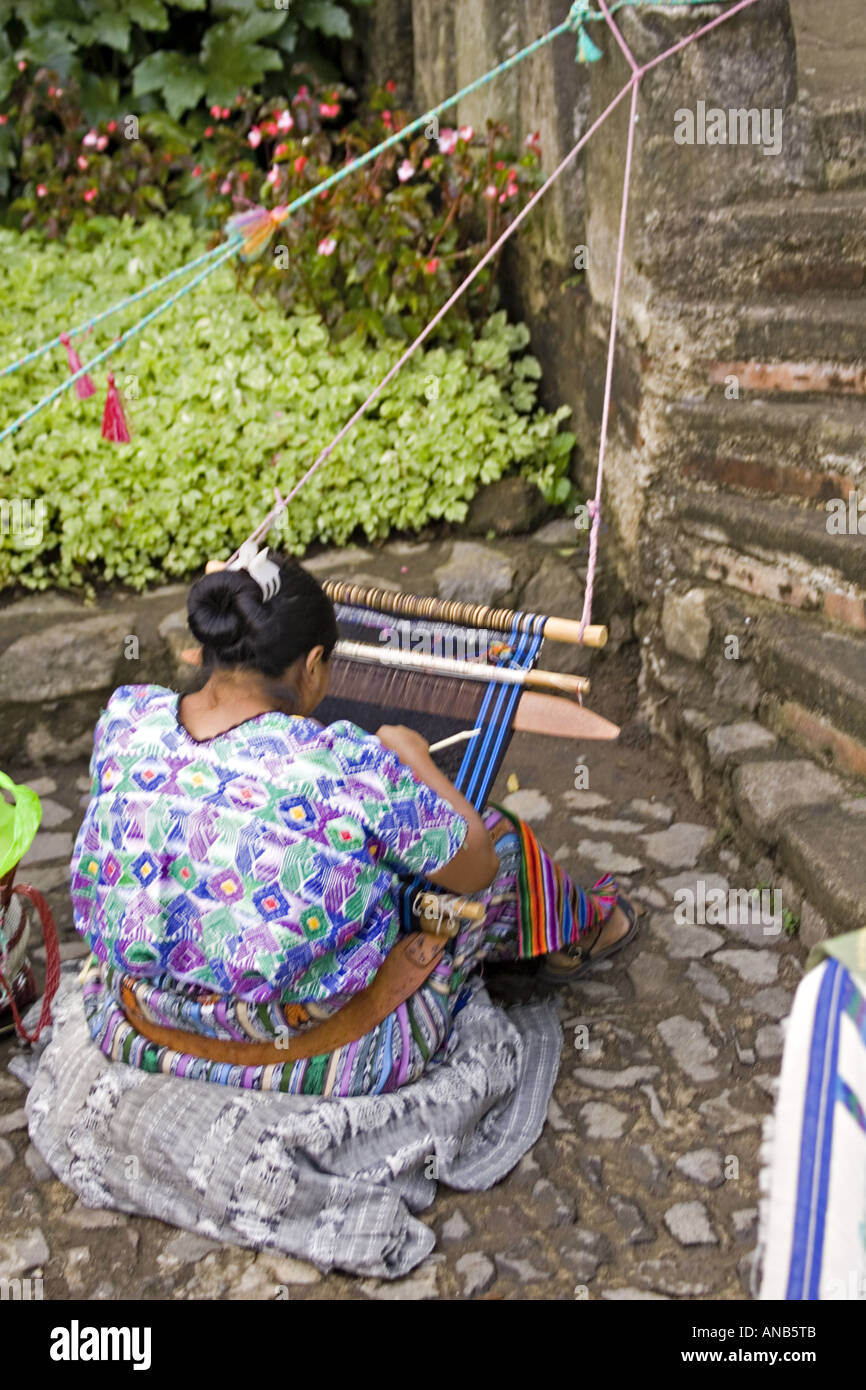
531	907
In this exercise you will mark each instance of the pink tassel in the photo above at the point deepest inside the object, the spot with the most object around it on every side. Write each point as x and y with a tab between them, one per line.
257	225
114	425
84	386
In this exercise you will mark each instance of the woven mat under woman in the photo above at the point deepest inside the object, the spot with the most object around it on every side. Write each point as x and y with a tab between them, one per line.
338	1183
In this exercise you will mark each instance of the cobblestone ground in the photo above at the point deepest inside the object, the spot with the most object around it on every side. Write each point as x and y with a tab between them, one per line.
644	1183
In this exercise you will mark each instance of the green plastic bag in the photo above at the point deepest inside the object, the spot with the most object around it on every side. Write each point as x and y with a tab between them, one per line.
18	823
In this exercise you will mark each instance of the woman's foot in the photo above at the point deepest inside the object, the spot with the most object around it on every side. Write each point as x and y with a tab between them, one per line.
621	926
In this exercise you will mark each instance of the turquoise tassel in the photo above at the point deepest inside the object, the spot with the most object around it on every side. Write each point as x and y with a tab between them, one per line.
587	51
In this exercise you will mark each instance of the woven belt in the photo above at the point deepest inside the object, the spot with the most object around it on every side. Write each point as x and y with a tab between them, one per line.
404	969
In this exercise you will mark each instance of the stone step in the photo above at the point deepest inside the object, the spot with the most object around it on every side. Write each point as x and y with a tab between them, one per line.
779	448
810	560
812	241
822	847
787	344
821	670
807	681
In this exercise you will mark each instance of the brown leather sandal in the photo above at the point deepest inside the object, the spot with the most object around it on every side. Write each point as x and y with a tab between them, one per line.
582	953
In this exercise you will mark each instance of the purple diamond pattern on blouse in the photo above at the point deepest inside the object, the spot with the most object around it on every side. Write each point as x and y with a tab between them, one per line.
261	864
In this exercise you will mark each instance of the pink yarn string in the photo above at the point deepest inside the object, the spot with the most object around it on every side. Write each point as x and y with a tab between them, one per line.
269	520
637	72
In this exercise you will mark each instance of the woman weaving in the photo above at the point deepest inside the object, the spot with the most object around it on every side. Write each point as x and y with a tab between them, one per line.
236	871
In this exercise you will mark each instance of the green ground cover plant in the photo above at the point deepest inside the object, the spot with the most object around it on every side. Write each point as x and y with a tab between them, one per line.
228	397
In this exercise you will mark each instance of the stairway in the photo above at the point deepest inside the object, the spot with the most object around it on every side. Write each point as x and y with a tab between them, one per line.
751	571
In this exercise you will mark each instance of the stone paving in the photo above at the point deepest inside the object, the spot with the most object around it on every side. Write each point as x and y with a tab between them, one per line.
644	1184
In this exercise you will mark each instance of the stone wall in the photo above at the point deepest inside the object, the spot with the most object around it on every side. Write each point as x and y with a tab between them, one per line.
739	398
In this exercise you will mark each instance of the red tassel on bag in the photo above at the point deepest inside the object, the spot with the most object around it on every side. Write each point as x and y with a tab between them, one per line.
114	425
84	386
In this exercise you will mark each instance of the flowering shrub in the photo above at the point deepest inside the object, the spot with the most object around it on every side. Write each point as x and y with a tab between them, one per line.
227	398
379	253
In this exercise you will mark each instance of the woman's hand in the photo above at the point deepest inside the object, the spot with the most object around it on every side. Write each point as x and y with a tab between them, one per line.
408	744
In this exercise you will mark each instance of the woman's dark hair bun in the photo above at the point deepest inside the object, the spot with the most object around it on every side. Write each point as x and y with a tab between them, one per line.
238	627
224	608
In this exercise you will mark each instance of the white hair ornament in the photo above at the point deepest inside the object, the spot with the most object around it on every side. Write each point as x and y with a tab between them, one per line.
262	570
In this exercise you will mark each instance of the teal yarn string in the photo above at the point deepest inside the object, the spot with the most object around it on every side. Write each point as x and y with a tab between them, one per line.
226	253
579	15
582	13
418	124
87	324
421	121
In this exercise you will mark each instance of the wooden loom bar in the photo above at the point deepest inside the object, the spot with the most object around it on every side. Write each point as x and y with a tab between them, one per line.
462	670
452	611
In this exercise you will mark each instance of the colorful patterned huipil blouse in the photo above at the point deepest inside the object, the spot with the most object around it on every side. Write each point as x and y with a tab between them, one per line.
259	864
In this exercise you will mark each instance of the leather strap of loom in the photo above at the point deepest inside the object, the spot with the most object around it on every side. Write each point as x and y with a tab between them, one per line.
405	968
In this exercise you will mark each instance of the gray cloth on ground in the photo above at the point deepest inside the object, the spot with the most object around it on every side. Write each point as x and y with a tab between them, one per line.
333	1181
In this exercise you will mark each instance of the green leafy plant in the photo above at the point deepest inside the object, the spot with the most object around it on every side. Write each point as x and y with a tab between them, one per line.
170	55
227	397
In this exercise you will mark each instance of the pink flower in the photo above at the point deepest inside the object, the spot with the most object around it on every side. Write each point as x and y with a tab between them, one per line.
329	110
41	190
58	91
448	141
285	121
196	173
426	162
89	195
431	266
303	91
491	192
327	246
466	133
500	164
21	65
3	120
52	91
300	163
90	138
208	132
405	170
274	176
102	142
269	127
82	161
391	86
510	190
215	112
255	137
111	127
226	186
225	113
282	148
387	119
